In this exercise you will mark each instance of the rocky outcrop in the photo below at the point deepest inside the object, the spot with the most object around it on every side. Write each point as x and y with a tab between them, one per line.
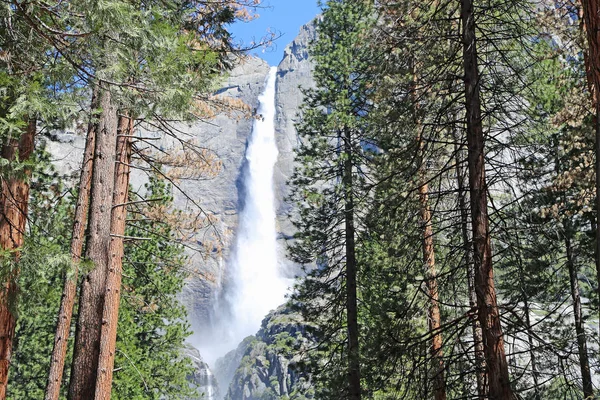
202	379
226	366
272	363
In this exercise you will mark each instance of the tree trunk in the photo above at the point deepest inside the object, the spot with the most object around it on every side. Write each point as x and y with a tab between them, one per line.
527	312
65	313
433	317
351	272
487	306
433	311
584	364
91	301
480	369
534	369
591	26
14	201
113	280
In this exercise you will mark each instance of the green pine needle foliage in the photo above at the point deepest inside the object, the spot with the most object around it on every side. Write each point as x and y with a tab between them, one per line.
152	323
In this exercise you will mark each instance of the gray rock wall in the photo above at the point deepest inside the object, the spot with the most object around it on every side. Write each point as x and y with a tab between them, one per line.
272	366
294	74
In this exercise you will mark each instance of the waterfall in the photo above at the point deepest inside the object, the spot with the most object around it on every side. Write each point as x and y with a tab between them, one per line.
258	286
255	285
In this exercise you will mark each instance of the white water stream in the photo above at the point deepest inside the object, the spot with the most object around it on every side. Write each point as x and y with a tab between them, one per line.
256	284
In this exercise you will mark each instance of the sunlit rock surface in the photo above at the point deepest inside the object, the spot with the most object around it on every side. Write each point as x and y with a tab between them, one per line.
294	74
272	365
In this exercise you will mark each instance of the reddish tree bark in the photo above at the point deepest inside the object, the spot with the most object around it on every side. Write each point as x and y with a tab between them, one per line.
112	295
65	313
591	26
480	370
91	301
433	317
487	305
433	311
14	201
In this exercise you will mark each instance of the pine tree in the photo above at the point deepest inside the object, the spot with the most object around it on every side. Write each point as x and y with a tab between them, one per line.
153	323
327	187
555	240
43	263
591	26
32	78
152	327
487	303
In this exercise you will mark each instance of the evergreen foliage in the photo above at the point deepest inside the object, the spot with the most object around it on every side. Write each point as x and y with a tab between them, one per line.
329	189
45	260
414	123
152	323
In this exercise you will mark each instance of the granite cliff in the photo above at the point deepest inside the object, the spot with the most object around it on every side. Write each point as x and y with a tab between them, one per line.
271	363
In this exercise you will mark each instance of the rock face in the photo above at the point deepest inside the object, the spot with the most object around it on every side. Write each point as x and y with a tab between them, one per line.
294	73
272	362
227	137
202	379
226	366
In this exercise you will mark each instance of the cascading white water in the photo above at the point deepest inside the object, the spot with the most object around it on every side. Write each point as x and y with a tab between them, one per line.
256	284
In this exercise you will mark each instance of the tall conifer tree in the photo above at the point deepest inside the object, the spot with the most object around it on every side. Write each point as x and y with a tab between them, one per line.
328	188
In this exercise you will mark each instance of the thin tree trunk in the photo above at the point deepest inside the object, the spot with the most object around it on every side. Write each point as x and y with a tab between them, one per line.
591	26
479	357
487	305
65	313
434	317
534	370
586	378
91	301
113	280
527	312
14	202
351	272
480	369
433	311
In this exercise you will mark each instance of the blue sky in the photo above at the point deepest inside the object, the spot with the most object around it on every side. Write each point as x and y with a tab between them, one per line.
284	17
